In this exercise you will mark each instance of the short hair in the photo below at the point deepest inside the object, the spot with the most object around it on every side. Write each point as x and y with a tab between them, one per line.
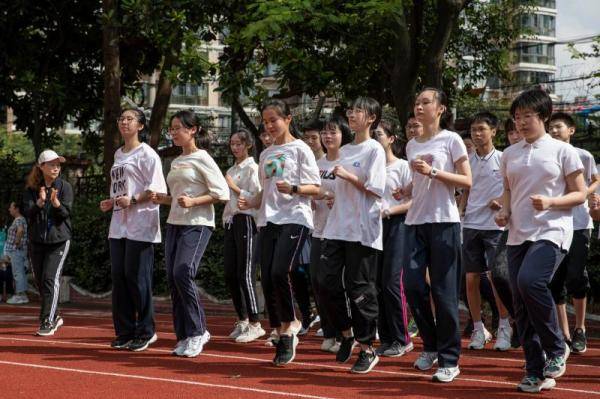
339	121
371	106
563	116
536	100
283	110
509	125
486	117
312	126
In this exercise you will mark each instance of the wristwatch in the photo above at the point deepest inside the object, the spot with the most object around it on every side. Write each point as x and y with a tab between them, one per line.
433	173
295	189
133	201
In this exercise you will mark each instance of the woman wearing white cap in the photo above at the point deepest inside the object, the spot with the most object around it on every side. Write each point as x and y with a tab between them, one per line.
47	206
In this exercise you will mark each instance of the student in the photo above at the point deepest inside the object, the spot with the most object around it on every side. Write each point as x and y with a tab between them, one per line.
440	164
413	127
240	235
47	207
15	248
512	134
393	308
335	134
289	176
353	238
264	136
482	238
134	229
312	138
542	181
571	277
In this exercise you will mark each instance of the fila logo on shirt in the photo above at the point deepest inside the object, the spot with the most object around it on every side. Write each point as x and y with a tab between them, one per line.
327	176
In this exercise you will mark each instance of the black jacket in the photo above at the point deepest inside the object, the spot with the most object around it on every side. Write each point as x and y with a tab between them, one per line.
49	225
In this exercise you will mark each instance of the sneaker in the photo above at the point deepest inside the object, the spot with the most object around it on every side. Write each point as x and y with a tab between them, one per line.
413	330
503	339
479	338
397	349
319	333
382	348
286	350
180	347
120	343
195	345
141	344
308	323
556	367
239	327
365	362
531	383
426	360
579	343
327	344
49	328
446	374
18	299
252	332
273	339
345	351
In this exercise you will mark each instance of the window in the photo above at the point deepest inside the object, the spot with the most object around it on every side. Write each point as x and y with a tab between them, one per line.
527	78
190	94
536	53
539	24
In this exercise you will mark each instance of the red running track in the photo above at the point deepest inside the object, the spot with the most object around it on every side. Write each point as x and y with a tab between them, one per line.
76	362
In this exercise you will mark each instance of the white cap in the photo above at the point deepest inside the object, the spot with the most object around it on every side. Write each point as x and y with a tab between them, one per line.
49	155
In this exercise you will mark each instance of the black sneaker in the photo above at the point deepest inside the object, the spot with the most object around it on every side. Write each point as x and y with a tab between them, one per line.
49	328
579	342
121	343
140	344
286	350
308	323
345	352
382	348
365	362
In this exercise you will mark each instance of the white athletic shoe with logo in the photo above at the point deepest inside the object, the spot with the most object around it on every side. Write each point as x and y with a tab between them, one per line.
503	339
446	374
239	328
479	338
252	333
195	345
180	347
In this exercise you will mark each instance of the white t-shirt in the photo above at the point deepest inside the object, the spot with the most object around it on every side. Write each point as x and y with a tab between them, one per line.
432	200
581	213
133	173
487	185
245	176
321	210
293	162
539	168
196	174
397	175
356	215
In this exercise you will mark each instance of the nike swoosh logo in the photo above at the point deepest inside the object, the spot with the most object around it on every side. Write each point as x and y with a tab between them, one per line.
294	237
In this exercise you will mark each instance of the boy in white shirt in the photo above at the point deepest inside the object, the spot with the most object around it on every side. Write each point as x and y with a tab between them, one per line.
571	277
542	181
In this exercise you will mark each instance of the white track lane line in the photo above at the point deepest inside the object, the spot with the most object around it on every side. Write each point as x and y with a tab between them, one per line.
305	364
175	381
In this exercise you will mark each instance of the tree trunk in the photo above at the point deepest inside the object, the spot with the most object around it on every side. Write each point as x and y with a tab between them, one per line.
163	94
318	109
112	83
247	121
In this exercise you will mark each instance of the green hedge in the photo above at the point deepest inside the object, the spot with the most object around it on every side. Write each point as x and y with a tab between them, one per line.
89	258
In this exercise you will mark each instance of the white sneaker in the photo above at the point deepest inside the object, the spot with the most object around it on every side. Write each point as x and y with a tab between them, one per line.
251	333
13	300
479	338
446	374
180	347
327	344
195	345
426	360
239	328
503	339
534	384
320	333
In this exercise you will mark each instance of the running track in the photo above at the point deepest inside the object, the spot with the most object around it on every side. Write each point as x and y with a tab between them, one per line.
76	362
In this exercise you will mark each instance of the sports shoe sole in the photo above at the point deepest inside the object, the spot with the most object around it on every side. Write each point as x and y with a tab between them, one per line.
371	366
59	322
295	342
123	346
548	385
435	378
148	343
407	349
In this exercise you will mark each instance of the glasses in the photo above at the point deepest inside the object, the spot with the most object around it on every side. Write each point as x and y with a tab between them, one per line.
125	119
527	117
174	130
353	111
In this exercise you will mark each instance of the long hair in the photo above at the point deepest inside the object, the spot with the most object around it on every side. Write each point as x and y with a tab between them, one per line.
190	120
283	110
446	119
35	178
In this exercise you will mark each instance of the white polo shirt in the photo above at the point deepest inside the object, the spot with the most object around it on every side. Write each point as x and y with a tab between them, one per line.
397	175
539	168
321	210
487	185
356	215
245	176
433	200
133	173
293	162
581	213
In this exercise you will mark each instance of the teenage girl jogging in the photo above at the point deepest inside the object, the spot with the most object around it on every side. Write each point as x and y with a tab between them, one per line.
353	238
47	206
134	229
240	236
393	308
289	176
440	164
543	181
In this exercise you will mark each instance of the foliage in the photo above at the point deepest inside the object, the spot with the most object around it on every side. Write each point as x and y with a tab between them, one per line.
594	52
